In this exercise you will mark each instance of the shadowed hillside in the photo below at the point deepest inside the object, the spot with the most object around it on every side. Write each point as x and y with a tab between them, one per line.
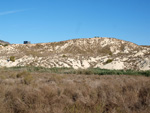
4	43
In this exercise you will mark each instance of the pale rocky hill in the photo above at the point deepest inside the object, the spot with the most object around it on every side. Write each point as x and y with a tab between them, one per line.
107	53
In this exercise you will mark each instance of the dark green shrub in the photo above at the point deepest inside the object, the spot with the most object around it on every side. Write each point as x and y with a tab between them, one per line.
108	61
12	58
64	56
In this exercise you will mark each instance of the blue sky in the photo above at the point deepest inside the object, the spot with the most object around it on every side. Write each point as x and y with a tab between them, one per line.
56	20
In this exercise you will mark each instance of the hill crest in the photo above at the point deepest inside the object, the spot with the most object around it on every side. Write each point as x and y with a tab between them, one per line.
108	53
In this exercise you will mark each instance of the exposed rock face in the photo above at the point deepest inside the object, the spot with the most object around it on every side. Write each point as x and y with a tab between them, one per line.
108	53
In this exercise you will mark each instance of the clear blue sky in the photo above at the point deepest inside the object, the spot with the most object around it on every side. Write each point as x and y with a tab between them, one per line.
56	20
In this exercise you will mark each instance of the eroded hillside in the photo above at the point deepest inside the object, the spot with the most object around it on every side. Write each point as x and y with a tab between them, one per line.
108	53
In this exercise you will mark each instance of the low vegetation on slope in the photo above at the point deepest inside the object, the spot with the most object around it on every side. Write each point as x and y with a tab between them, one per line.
63	90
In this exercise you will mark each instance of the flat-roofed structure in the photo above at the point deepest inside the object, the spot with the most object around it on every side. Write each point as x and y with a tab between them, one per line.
27	42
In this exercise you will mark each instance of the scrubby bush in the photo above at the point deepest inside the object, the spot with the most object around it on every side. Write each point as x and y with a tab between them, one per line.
12	58
64	55
108	61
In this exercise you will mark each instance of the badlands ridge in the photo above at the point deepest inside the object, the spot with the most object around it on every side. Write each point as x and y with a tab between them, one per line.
105	53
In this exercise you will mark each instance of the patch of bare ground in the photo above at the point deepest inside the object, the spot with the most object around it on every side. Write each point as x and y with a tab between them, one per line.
24	92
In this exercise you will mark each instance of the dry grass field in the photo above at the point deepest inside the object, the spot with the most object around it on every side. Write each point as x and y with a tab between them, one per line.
22	91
